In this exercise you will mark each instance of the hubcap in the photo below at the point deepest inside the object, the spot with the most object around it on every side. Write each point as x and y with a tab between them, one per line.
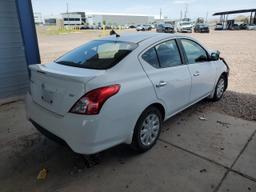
220	88
150	129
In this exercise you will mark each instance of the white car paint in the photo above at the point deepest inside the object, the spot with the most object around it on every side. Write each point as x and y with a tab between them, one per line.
184	26
251	27
88	134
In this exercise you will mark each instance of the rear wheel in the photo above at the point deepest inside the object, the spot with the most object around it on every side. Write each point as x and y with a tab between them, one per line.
147	129
220	88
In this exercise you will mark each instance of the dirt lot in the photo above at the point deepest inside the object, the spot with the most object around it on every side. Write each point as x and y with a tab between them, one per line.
216	154
237	47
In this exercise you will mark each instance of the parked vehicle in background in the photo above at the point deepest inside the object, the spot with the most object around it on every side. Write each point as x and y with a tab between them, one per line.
120	89
184	26
93	27
219	26
201	28
126	26
148	27
132	26
143	28
251	27
243	26
234	27
165	28
140	28
83	27
153	26
107	26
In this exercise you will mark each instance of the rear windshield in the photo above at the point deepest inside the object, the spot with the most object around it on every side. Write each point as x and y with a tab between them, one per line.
98	54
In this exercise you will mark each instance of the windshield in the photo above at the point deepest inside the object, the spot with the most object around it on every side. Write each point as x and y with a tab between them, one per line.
98	54
168	25
186	23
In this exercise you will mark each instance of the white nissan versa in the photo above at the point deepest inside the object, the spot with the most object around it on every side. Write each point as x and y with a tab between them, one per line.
120	89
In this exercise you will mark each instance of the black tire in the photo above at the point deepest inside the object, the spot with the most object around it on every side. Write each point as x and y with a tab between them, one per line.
137	142
217	96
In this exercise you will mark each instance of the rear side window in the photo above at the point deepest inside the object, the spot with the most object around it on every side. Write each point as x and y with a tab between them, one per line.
150	57
99	54
168	54
194	52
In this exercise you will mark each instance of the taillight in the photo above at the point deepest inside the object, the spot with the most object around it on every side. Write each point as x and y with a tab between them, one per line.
91	102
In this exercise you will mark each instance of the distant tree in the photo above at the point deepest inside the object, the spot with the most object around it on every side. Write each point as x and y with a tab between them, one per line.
104	22
242	18
246	20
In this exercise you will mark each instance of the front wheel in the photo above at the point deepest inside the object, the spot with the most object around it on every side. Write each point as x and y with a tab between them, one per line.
220	88
147	129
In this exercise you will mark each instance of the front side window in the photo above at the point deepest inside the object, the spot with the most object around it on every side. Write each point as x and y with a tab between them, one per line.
194	52
168	54
98	54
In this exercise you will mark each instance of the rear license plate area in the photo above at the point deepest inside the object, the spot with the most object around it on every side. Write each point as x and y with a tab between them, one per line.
47	96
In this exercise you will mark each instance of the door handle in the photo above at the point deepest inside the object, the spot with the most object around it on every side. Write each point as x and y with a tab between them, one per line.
196	74
161	84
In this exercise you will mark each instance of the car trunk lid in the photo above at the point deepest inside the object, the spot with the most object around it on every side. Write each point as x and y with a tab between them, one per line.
57	87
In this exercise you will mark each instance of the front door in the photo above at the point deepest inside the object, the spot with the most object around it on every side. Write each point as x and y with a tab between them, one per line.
202	70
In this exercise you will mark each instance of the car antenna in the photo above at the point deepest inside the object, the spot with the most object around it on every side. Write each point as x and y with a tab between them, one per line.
112	32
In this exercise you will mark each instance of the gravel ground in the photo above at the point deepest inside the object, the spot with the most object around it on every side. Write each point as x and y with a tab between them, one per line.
237	47
242	105
238	104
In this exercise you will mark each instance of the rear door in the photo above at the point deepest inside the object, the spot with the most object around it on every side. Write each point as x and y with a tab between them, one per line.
202	70
169	76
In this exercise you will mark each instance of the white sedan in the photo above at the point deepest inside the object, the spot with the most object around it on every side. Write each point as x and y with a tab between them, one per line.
120	89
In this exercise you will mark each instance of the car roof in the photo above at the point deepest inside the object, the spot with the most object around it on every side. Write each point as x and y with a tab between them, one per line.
138	37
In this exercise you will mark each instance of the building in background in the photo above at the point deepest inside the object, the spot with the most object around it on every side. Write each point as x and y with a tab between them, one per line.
50	21
38	18
74	18
117	19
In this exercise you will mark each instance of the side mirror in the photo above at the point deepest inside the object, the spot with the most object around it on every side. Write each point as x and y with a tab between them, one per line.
215	56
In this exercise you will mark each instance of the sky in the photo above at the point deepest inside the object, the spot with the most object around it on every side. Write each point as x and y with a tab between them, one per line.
170	8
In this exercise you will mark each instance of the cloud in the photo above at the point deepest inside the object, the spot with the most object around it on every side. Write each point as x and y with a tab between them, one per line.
183	1
141	9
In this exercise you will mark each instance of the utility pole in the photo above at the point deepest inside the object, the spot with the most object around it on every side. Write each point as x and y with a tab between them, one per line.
206	17
181	15
67	12
186	11
160	13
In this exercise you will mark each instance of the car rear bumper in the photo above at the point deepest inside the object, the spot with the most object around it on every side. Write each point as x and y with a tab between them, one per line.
204	30
186	30
83	134
169	31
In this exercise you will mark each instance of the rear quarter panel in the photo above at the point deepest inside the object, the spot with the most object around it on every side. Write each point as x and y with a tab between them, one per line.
120	113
